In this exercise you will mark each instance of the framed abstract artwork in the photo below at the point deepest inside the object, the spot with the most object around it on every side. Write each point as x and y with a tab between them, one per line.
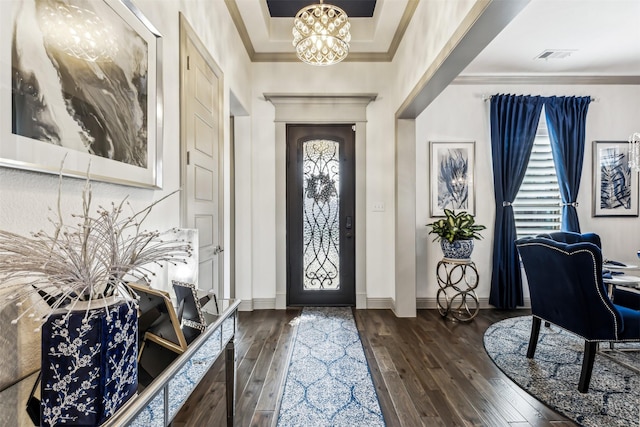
615	185
81	81
452	166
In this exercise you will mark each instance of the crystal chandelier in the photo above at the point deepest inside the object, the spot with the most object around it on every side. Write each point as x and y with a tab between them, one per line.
321	34
78	32
634	151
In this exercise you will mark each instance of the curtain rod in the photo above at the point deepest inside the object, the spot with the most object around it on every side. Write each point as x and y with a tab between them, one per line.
486	98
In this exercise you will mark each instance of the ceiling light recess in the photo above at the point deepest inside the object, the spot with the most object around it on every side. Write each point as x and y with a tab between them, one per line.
321	34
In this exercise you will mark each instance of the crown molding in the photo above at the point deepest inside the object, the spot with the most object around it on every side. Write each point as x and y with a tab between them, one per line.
320	98
412	5
352	57
387	56
240	27
547	80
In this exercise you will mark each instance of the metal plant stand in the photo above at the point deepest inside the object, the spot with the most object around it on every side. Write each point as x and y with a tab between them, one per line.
456	298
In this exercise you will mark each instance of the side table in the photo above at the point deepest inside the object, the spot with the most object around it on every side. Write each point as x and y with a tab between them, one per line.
456	298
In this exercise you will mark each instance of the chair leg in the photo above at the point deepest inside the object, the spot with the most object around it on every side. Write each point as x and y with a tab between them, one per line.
533	339
590	349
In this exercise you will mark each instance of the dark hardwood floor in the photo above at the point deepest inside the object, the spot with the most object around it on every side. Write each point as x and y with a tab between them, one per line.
427	372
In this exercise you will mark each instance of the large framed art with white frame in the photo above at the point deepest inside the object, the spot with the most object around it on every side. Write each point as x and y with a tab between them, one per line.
81	80
615	184
452	167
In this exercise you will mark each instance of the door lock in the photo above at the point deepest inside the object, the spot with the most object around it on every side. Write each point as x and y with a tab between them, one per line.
217	250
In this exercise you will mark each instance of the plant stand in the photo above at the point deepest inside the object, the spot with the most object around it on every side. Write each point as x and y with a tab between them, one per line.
456	298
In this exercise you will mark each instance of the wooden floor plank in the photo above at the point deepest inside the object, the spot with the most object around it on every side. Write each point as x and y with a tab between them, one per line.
484	387
274	382
427	371
384	397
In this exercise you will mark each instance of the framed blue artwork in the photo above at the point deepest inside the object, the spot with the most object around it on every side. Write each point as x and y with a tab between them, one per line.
615	185
452	171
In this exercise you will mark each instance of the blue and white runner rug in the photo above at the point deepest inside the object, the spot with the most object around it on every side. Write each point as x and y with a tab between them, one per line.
328	382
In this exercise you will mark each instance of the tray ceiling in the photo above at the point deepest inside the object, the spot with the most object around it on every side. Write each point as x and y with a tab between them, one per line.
353	8
373	38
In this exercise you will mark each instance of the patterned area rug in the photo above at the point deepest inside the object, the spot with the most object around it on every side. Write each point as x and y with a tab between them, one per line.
552	375
328	382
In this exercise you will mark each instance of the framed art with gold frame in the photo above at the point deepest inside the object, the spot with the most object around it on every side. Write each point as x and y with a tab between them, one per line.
158	321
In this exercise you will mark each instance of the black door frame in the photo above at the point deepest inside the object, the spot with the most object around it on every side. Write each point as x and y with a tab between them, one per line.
345	135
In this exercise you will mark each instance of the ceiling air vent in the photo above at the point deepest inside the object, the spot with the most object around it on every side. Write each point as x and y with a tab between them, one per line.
555	54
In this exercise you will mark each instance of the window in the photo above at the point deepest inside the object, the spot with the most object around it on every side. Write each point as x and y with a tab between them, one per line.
538	205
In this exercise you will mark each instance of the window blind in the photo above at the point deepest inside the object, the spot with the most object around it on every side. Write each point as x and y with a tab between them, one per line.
538	205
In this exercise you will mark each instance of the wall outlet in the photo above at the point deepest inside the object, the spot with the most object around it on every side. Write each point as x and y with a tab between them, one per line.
378	207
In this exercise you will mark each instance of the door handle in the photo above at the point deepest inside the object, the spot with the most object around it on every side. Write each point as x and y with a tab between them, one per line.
217	250
348	223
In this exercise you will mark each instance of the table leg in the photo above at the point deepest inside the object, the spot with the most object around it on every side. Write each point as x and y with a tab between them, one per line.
230	373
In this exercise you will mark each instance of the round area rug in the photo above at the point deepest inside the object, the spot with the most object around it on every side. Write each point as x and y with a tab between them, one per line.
552	375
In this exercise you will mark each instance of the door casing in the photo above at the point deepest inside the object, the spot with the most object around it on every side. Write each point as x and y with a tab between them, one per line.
319	109
297	136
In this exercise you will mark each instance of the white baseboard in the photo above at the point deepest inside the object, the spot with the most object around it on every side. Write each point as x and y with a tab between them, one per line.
257	304
281	301
245	305
371	303
380	303
361	300
264	303
431	303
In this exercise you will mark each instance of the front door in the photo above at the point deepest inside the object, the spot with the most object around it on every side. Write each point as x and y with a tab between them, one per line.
321	215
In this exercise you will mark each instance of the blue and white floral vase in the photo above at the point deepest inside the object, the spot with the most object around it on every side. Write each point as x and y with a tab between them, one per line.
89	362
458	249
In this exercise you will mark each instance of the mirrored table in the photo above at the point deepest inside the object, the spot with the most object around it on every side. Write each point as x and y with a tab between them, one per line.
159	402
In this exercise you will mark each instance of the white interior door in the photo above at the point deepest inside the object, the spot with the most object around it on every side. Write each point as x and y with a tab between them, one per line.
202	148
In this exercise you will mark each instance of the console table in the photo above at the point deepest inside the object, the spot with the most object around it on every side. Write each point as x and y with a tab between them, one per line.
457	280
159	403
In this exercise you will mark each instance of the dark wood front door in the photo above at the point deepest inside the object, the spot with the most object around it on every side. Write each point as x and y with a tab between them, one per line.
321	215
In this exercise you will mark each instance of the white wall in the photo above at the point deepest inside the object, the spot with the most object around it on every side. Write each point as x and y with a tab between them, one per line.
26	196
460	114
425	38
299	78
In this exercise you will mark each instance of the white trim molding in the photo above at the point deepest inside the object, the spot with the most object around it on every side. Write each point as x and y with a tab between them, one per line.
257	304
430	303
318	109
546	80
380	304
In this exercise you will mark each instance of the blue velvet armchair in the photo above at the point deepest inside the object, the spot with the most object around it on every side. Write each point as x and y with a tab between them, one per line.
564	272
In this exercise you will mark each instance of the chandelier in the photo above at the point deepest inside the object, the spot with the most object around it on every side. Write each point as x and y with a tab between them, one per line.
78	32
634	151
321	34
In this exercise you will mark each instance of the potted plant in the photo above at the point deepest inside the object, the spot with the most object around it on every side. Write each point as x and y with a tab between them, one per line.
89	328
456	233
